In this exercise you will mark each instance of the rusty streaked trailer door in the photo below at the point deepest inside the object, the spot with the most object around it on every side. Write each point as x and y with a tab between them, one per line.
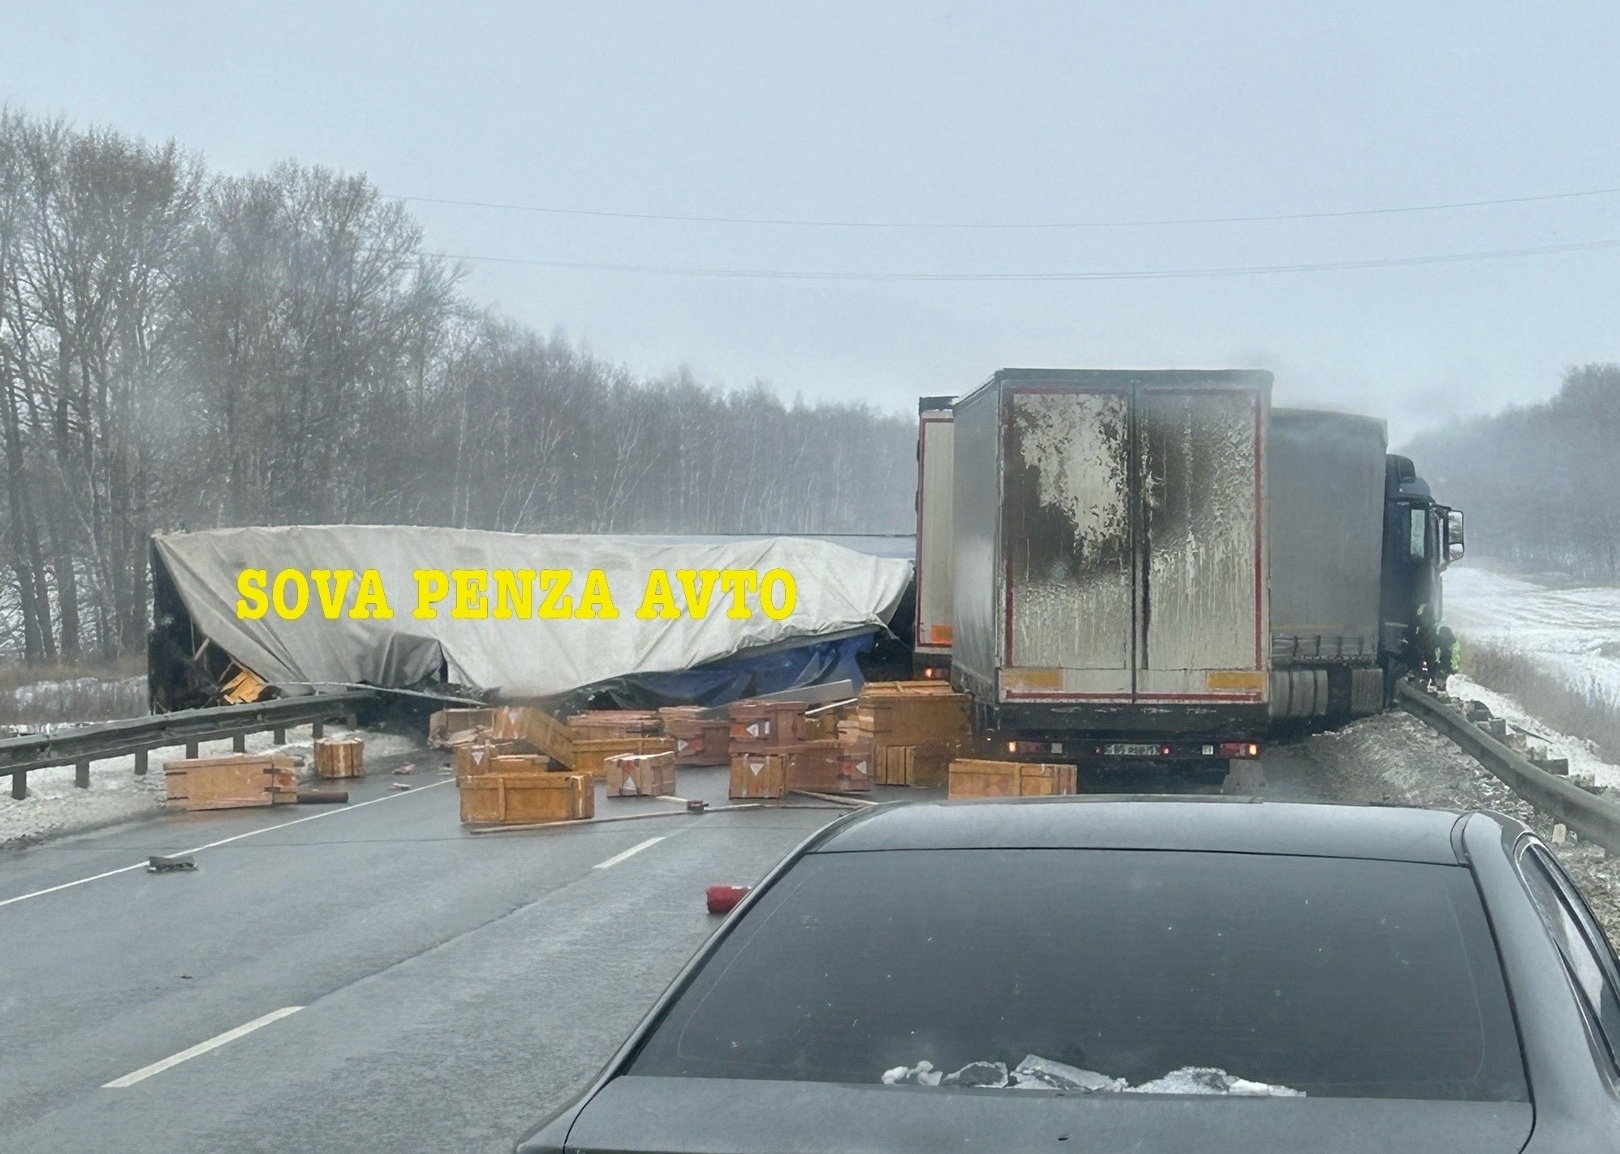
1131	541
1067	542
1201	593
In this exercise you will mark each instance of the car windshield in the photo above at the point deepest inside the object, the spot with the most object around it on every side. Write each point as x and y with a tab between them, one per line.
1106	970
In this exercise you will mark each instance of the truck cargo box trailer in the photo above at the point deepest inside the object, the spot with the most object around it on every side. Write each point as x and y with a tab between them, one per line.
1109	556
1325	508
933	580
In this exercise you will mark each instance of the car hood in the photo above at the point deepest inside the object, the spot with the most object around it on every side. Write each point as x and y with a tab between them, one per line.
719	1116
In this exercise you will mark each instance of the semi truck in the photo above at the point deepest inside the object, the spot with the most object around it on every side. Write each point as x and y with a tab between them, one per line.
1160	565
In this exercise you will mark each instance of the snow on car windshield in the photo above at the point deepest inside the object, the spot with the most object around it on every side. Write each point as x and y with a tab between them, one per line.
1037	1073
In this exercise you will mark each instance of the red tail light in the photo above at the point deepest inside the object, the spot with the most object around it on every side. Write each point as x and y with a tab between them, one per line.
1244	749
723	899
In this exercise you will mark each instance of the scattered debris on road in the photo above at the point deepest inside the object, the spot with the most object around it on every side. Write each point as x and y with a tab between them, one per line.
158	864
323	797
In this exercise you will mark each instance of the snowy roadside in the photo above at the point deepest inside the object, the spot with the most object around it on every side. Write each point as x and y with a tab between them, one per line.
56	806
1395	758
1575	631
1584	761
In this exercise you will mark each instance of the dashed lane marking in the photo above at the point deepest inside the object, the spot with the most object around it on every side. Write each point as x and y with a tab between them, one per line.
631	852
213	1043
222	841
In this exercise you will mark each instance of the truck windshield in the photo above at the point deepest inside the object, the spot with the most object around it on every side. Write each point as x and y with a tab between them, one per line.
1327	976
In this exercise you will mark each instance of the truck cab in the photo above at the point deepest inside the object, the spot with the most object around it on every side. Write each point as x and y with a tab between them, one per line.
1421	538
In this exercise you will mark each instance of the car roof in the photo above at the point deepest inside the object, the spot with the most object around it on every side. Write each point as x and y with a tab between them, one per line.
1213	824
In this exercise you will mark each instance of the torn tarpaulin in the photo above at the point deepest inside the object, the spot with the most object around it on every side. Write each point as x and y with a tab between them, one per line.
839	592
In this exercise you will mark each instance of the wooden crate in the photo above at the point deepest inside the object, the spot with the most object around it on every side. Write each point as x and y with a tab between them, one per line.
824	767
447	723
821	722
536	728
700	742
590	754
970	777
641	775
527	798
757	775
235	781
474	759
504	763
924	766
615	723
913	718
857	767
919	688
763	725
340	757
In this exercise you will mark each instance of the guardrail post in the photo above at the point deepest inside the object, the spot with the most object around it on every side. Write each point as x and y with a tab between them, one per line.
19	785
318	729
239	743
140	763
280	736
81	774
191	750
352	720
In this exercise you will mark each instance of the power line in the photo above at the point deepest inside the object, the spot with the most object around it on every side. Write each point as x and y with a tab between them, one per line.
1036	277
1164	222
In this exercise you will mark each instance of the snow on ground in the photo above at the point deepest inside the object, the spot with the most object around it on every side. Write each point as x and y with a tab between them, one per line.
56	806
1395	758
1584	761
1575	631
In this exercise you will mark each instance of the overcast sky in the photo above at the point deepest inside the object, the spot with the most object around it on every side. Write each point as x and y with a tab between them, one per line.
996	113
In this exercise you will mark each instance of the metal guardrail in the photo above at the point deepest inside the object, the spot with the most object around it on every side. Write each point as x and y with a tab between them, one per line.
82	745
1593	817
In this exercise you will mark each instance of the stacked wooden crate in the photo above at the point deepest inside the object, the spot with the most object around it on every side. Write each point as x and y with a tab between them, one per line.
516	771
911	730
698	739
599	734
975	778
537	729
761	732
476	758
829	759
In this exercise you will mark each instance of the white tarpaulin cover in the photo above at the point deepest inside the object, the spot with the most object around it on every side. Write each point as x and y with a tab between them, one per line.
839	592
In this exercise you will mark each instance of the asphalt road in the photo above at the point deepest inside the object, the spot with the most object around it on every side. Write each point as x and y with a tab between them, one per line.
452	988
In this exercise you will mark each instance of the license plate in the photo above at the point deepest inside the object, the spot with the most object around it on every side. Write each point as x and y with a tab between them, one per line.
1128	749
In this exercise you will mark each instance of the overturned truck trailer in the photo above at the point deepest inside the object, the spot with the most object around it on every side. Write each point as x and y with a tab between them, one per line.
642	619
1110	561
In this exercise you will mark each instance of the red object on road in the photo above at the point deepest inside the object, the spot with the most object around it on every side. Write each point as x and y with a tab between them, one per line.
723	899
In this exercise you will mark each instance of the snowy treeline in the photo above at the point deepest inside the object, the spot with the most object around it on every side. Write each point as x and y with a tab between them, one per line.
1541	484
182	348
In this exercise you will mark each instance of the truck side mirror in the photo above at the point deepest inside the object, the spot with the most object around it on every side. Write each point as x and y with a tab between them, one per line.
1454	535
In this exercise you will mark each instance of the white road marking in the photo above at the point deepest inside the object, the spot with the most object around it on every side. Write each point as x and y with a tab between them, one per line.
222	841
213	1043
631	852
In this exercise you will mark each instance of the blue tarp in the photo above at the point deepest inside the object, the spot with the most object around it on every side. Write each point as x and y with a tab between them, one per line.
734	678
